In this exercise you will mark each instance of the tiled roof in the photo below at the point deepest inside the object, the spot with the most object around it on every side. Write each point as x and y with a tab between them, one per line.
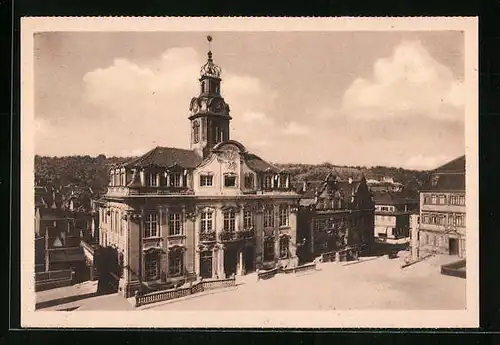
445	182
448	177
257	164
456	165
165	157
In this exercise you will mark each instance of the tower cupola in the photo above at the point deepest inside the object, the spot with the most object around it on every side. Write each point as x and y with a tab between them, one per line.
209	113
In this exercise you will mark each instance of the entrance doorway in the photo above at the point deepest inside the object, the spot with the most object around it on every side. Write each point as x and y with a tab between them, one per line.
230	262
453	246
249	259
206	264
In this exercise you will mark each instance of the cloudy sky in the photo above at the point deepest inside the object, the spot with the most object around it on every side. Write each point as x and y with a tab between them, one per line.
353	98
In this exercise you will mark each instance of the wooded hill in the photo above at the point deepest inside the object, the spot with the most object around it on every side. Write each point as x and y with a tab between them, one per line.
87	171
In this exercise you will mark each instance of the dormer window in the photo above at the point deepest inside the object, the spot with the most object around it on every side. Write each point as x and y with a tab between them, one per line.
249	183
152	181
175	180
268	182
283	181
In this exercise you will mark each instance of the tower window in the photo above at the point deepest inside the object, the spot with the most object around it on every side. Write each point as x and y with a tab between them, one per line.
196	131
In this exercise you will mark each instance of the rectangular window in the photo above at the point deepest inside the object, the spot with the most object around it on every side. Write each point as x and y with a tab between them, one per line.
461	200
434	199
175	180
206	180
229	181
249	181
152	180
174	224
122	177
268	250
269	217
459	220
453	200
247	219
229	221
206	222
442	200
175	263
151	226
283	215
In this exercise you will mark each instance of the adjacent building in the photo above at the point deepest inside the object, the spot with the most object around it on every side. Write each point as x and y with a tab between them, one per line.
385	184
392	215
335	213
211	211
443	210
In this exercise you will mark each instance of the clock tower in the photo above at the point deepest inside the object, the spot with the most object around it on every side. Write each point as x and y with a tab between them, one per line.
209	113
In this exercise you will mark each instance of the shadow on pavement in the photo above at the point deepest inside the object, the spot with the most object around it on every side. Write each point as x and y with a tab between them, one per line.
64	300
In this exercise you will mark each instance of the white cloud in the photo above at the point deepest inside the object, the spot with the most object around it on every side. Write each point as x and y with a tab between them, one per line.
410	81
148	103
294	128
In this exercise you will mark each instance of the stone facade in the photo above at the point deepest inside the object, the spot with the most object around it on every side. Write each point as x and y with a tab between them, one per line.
176	215
443	211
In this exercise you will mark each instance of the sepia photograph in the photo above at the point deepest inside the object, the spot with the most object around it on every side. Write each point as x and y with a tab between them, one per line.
249	172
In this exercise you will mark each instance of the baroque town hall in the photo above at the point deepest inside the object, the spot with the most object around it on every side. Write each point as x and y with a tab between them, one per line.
209	212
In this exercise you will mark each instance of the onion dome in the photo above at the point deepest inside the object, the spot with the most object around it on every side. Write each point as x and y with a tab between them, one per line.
210	69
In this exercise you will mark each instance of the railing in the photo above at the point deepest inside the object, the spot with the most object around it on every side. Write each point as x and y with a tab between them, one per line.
208	236
302	268
245	234
160	190
225	236
268	274
53	279
165	295
53	275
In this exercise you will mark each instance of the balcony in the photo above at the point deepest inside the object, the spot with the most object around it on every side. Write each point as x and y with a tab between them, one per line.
208	236
245	234
227	236
163	190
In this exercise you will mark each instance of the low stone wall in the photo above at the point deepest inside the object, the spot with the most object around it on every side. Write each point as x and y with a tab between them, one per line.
165	295
455	269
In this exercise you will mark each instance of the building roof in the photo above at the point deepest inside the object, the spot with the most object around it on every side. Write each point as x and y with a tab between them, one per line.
166	157
448	177
390	198
456	165
257	164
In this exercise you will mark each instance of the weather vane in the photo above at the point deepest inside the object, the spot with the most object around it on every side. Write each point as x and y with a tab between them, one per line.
209	39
